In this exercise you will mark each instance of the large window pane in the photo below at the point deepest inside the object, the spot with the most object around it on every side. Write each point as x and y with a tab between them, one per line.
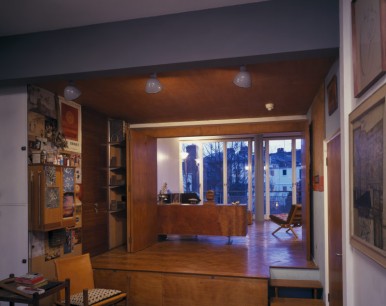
237	171
212	155
282	171
190	168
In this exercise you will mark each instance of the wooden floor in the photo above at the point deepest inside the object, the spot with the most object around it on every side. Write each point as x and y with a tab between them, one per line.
249	256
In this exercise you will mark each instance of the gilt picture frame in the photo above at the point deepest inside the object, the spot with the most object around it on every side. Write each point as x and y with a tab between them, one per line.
368	42
367	177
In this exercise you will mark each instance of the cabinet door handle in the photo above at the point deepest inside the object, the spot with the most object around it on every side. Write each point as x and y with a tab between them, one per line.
96	207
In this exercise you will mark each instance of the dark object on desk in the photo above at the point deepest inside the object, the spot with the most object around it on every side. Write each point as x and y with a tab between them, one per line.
190	198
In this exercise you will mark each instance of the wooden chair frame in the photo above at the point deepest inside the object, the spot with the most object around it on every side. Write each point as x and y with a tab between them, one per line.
78	269
294	219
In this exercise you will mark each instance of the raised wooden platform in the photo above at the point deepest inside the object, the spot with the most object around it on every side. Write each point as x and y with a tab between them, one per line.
202	270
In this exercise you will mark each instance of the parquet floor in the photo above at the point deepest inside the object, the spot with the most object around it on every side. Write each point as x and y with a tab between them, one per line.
249	256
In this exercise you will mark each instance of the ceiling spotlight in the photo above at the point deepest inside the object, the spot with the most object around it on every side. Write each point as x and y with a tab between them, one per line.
243	78
153	85
269	106
71	92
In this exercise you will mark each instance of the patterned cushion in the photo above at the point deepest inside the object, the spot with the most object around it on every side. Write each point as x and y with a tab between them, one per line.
94	296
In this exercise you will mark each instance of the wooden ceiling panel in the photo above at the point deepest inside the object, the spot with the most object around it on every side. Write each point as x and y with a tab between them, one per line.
206	94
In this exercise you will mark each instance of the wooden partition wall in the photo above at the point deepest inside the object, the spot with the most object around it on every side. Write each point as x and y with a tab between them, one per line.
142	191
215	130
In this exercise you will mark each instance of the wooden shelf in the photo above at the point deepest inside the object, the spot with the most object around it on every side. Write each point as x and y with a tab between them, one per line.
116	182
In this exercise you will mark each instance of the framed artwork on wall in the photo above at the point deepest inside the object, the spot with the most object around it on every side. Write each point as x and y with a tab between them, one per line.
71	124
367	177
41	101
332	95
369	43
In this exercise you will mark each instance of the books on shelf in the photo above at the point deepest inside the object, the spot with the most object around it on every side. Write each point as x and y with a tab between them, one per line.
30	279
30	289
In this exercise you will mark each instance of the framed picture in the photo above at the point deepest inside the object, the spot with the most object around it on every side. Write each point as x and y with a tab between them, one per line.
41	101
369	43
71	124
367	177
332	95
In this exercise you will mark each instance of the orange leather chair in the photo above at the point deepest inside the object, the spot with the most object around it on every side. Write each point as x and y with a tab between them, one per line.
79	271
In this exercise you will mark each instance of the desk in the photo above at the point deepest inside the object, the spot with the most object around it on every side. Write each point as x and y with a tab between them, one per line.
9	293
193	219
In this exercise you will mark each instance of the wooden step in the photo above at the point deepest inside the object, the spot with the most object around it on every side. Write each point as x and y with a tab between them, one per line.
295	302
296	283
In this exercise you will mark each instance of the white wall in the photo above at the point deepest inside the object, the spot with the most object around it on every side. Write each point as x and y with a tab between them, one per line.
364	280
167	163
319	216
13	182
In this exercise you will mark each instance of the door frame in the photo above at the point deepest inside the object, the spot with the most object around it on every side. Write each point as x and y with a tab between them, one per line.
326	213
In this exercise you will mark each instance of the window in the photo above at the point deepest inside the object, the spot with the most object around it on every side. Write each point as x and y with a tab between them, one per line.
222	165
283	158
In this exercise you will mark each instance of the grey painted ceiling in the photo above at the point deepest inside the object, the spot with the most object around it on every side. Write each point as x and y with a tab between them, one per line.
27	16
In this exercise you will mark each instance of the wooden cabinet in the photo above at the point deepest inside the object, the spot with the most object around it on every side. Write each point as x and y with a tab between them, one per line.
116	182
51	197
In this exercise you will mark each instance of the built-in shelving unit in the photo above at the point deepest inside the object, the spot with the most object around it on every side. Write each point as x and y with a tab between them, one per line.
51	190
116	182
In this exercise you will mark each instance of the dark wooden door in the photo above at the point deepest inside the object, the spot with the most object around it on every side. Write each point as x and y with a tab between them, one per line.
335	221
94	179
142	212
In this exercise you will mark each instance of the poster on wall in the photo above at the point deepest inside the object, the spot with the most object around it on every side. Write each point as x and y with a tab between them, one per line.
71	125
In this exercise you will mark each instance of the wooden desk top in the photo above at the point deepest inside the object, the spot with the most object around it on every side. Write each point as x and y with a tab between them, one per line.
202	219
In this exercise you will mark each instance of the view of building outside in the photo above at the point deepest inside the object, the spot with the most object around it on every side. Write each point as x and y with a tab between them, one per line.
281	178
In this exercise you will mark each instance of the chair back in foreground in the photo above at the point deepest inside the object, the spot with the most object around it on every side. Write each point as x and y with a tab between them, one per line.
78	270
